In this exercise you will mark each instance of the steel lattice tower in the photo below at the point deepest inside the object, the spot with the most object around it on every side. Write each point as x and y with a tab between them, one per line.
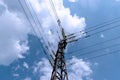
59	68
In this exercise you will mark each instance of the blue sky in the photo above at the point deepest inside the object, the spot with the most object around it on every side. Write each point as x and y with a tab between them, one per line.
22	54
108	66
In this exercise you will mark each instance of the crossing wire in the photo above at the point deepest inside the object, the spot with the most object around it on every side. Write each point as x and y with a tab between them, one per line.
42	49
40	33
27	17
49	49
40	25
47	46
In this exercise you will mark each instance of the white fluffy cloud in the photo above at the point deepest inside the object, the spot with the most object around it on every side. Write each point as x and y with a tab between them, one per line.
77	69
13	36
43	68
14	31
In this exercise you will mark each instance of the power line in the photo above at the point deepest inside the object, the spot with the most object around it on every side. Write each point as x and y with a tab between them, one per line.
33	29
89	35
27	17
93	45
40	25
93	51
54	10
40	33
56	16
33	18
94	57
97	33
101	55
48	47
105	29
102	25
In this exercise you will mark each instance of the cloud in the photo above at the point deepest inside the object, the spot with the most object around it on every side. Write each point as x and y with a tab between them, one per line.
14	6
49	23
16	75
25	65
2	8
43	68
14	33
27	78
72	0
77	69
13	36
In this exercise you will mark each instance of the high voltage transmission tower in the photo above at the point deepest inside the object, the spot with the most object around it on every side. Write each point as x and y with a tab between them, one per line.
59	68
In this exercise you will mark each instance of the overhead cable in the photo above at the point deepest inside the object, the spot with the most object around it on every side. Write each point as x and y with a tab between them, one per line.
102	25
33	28
97	50
101	55
93	45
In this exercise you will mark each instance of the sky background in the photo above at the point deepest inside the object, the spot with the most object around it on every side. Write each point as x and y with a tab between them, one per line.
22	55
